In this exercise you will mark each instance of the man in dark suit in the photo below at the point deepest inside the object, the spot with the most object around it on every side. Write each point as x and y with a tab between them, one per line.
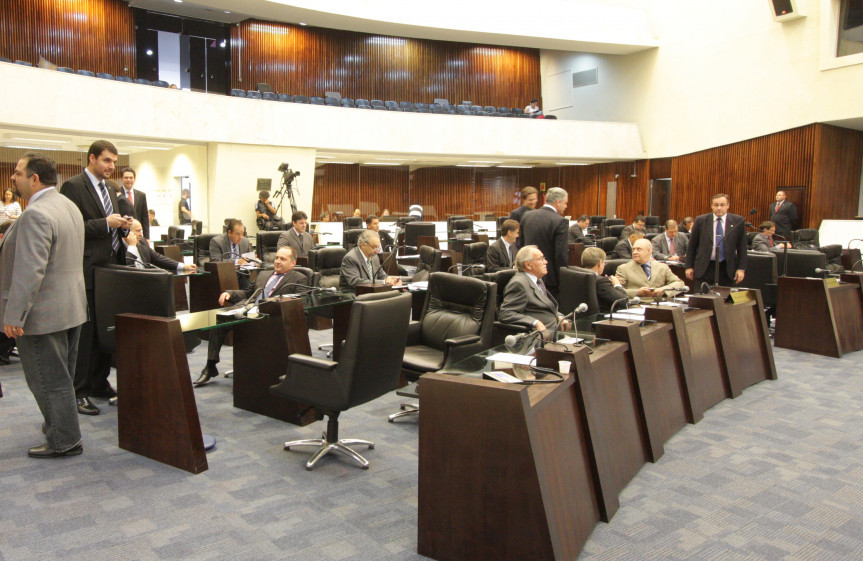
281	280
529	200
231	246
140	254
671	245
637	225
137	198
104	230
547	229
296	236
526	300
686	225
374	223
784	214
717	241
501	254
608	289
623	249
361	264
578	231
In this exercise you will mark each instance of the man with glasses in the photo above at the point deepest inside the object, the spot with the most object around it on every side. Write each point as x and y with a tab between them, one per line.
526	300
361	264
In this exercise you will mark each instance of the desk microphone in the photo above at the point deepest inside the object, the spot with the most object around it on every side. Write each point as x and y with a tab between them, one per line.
635	301
464	267
707	289
579	310
145	265
248	304
512	341
853	240
667	293
381	266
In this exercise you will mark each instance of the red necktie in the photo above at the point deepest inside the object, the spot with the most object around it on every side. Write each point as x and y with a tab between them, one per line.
671	246
777	207
131	199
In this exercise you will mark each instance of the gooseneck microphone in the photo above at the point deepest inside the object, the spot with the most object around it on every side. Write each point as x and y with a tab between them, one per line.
248	304
513	340
135	260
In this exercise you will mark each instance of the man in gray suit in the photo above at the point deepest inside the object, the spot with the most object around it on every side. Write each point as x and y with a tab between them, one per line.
361	264
526	301
670	246
231	247
44	302
578	231
297	237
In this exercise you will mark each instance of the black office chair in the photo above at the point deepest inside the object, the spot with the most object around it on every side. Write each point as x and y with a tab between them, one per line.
328	262
177	236
352	222
750	238
412	232
264	88
456	323
236	92
577	286
805	238
501	330
608	244
197	227
430	262
369	368
801	262
473	259
450	220
613	230
651	224
611	266
761	273
350	237
201	249
266	244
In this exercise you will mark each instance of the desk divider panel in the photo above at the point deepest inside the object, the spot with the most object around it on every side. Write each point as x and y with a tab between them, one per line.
204	290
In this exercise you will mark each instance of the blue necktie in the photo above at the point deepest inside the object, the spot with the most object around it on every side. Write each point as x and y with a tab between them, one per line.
646	267
718	243
109	210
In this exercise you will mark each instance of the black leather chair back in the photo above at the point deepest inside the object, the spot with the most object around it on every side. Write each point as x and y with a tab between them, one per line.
651	235
801	262
651	224
201	249
266	245
430	262
312	278
613	230
451	219
175	233
805	238
577	286
197	227
462	227
614	222
415	229
121	289
457	306
833	253
750	238
474	254
327	262
611	266
352	222
501	279
761	273
607	244
349	239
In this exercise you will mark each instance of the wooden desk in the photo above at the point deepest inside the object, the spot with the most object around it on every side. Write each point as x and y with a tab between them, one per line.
503	471
204	290
850	258
814	318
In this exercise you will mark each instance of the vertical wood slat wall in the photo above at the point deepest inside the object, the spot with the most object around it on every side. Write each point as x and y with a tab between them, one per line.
95	35
310	61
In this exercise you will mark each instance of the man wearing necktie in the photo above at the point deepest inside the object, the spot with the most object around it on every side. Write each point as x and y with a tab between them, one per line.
783	213
526	300
501	254
137	198
231	246
717	246
643	276
283	279
104	229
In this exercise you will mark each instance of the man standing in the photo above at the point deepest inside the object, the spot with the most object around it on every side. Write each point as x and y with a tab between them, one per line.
547	229
670	246
529	199
231	247
281	280
717	246
44	301
361	264
184	208
578	231
526	300
636	226
104	230
784	214
137	198
140	254
501	254
297	237
374	223
645	277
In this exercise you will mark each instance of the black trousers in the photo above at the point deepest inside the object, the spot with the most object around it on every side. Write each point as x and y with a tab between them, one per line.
710	277
92	367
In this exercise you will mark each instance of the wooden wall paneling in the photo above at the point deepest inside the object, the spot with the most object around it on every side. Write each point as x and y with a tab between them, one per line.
310	61
383	187
582	184
96	35
335	189
838	153
449	189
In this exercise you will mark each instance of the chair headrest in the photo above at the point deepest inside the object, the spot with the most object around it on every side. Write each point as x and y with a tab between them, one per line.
330	258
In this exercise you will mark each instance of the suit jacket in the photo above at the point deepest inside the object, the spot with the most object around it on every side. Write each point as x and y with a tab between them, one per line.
497	258
141	212
220	247
149	256
623	250
519	213
548	231
353	270
762	243
784	218
633	277
661	250
41	283
302	243
627	231
524	303
700	246
287	285
97	235
577	235
607	293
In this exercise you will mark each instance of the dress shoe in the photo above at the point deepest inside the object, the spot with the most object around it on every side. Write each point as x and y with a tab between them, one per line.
207	373
86	407
107	392
112	401
45	452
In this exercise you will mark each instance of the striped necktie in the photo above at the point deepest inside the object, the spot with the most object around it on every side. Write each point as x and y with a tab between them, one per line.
271	284
109	210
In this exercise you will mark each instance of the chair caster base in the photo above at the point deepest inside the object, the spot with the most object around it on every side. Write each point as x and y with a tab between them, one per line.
407	409
325	448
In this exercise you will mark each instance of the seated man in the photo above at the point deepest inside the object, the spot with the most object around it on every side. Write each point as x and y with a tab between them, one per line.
361	264
374	223
140	254
266	212
764	241
671	245
686	225
296	236
623	249
578	231
501	254
608	289
645	277
637	225
281	280
231	247
152	214
526	302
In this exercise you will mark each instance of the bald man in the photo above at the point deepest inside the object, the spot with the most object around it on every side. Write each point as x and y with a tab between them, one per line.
644	276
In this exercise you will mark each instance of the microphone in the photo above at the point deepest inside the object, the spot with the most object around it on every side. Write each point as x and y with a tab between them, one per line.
855	264
254	260
381	266
512	341
707	289
133	259
853	240
248	304
579	310
553	337
826	272
462	267
616	302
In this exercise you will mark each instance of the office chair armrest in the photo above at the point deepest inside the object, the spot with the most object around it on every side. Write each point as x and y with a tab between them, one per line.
462	340
414	333
312	362
459	348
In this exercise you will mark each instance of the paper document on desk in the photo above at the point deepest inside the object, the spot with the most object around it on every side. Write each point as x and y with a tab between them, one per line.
570	341
419	285
628	316
511	358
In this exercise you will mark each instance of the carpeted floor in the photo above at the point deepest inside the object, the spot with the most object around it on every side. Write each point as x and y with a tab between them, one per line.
776	474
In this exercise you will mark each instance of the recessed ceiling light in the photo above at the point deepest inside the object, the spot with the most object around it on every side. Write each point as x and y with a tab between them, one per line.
178	1
303	23
483	162
472	166
383	164
516	167
573	163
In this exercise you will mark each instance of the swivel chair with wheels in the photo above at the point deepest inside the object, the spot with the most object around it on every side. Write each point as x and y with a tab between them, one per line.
369	368
577	286
266	245
201	249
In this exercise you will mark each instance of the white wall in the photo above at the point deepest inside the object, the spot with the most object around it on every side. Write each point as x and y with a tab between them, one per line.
723	73
158	173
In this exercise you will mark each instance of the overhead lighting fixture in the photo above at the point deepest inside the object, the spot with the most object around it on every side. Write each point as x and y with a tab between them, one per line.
303	23
573	163
30	147
472	166
326	157
483	162
383	164
148	147
178	1
516	167
37	140
149	52
345	163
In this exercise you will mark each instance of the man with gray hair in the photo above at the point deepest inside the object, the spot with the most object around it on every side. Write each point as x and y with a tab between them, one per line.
44	302
645	277
361	264
526	301
548	230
